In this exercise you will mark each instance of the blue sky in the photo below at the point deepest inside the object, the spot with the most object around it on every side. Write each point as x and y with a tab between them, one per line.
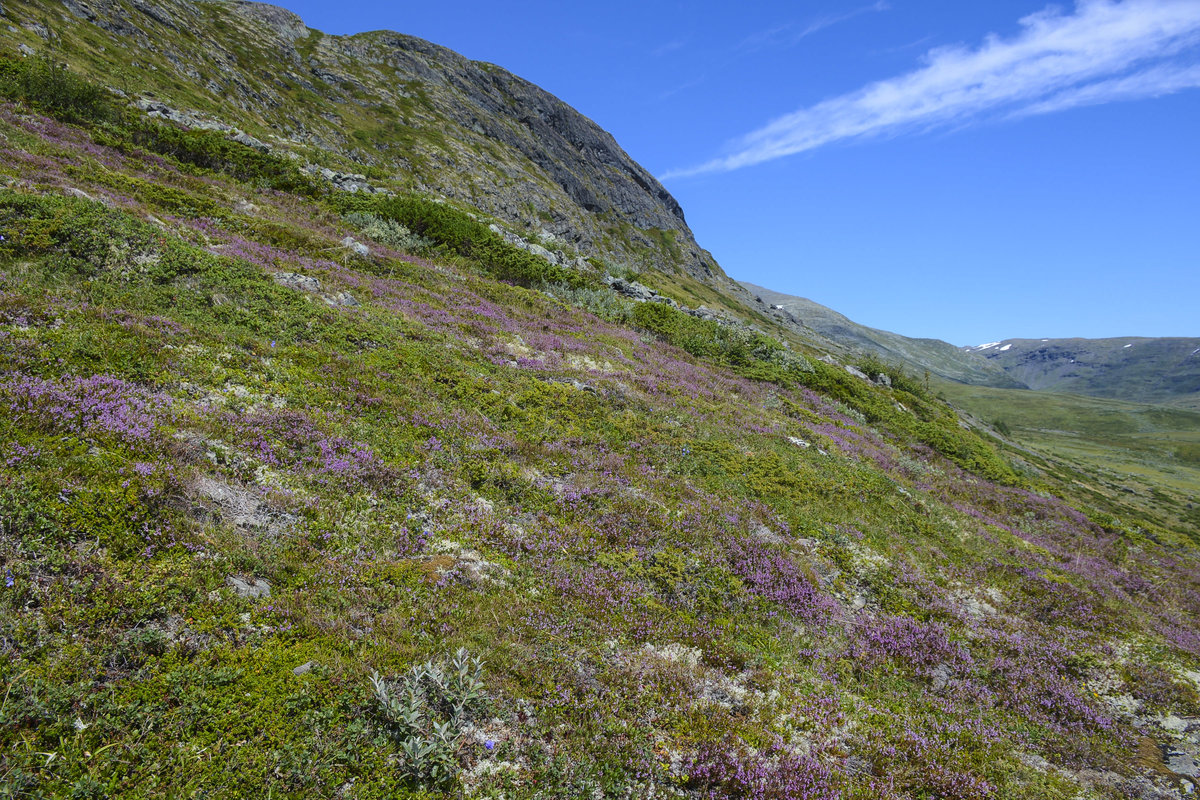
960	170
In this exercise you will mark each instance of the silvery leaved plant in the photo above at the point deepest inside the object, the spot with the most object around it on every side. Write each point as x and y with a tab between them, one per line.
426	710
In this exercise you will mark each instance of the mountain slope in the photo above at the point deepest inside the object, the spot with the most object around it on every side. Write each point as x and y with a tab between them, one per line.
1132	368
940	358
402	110
315	493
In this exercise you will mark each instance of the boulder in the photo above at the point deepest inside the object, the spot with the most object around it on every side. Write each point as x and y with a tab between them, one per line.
294	280
350	243
252	587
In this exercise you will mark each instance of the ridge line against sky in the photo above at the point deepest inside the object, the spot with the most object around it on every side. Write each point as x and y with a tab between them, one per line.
1105	51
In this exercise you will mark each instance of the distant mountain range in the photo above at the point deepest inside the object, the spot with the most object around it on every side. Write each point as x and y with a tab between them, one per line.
1147	370
940	358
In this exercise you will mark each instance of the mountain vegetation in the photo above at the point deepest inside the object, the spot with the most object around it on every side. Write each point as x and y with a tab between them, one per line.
330	483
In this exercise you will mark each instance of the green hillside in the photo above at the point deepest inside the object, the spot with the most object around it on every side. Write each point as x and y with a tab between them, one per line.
309	492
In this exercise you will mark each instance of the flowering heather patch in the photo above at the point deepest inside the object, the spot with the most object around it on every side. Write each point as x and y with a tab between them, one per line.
98	406
776	772
291	439
775	577
907	641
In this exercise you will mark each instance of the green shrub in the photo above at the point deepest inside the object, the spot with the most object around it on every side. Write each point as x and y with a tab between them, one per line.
215	152
456	232
50	87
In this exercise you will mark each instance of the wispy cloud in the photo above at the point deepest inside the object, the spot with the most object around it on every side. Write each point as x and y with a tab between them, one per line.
1105	51
791	33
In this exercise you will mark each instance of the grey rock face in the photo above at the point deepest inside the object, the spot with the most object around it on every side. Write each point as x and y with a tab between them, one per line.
240	507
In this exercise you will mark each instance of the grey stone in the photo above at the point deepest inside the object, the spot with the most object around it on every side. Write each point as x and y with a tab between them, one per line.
632	289
304	668
1182	762
254	587
856	372
244	138
80	193
343	299
25	49
883	379
543	253
240	508
939	677
350	243
294	280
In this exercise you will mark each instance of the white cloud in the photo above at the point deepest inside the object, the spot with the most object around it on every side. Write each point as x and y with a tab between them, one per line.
1106	51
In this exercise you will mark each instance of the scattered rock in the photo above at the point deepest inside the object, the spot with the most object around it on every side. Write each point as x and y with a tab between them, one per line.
244	138
254	587
350	243
294	280
245	207
344	299
240	507
856	372
631	289
345	181
799	442
25	49
541	252
939	676
304	668
1182	762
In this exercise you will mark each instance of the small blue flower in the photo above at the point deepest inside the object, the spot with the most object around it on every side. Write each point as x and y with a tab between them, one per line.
8	578
489	744
272	343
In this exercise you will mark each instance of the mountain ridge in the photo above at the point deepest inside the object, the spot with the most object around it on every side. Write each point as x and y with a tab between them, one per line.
935	355
437	121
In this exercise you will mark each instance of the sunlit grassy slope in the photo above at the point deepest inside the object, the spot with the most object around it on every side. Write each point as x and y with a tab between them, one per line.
266	494
1148	454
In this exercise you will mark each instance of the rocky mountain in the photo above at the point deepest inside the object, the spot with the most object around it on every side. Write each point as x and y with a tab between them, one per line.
324	473
918	355
1139	369
398	111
